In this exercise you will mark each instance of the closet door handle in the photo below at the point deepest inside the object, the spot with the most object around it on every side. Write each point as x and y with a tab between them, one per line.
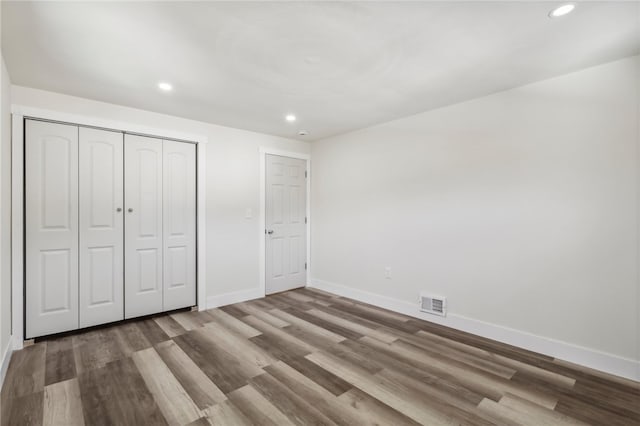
130	210
119	209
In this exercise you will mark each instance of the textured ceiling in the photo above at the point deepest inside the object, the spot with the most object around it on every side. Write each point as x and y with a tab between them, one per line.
337	66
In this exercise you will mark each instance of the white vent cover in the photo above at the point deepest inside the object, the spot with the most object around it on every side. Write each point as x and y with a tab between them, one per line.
433	304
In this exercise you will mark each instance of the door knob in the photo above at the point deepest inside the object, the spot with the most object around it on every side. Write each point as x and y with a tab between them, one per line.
270	231
119	209
129	209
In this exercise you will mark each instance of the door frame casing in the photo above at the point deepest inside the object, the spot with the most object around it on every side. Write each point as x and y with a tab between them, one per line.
18	114
263	211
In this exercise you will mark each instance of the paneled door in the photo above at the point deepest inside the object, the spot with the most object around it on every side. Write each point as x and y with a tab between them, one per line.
51	207
179	217
143	225
286	230
101	226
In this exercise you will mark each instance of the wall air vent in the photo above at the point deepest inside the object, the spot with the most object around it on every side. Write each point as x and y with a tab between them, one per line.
433	304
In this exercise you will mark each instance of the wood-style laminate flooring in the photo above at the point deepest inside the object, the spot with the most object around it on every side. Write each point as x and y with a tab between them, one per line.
302	357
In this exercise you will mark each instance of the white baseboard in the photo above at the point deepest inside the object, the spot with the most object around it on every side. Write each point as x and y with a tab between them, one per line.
234	297
6	358
608	363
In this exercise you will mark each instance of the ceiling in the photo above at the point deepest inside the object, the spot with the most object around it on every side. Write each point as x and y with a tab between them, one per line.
338	66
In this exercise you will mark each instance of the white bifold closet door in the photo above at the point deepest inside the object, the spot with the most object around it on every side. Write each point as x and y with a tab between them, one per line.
160	225
51	216
143	226
101	226
110	226
179	223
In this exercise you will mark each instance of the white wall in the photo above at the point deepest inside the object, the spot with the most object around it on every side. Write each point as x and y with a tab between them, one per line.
5	211
520	207
232	182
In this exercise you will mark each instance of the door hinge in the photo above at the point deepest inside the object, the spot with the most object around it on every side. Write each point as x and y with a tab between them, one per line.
305	173
305	266
305	219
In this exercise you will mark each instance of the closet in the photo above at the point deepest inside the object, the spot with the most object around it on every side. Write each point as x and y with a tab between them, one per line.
110	226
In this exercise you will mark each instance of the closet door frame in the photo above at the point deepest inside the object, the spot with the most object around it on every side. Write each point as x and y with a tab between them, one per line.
19	114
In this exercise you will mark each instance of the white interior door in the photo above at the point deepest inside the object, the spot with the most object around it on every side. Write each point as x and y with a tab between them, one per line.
51	207
179	229
286	230
101	227
143	225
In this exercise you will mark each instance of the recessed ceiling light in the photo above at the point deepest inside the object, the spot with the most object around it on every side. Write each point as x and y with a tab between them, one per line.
165	87
290	118
562	10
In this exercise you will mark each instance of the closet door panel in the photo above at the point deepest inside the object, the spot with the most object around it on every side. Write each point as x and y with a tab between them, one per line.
179	207
143	226
51	215
101	227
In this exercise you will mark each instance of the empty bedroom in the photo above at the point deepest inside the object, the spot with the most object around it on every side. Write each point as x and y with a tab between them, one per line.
319	213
